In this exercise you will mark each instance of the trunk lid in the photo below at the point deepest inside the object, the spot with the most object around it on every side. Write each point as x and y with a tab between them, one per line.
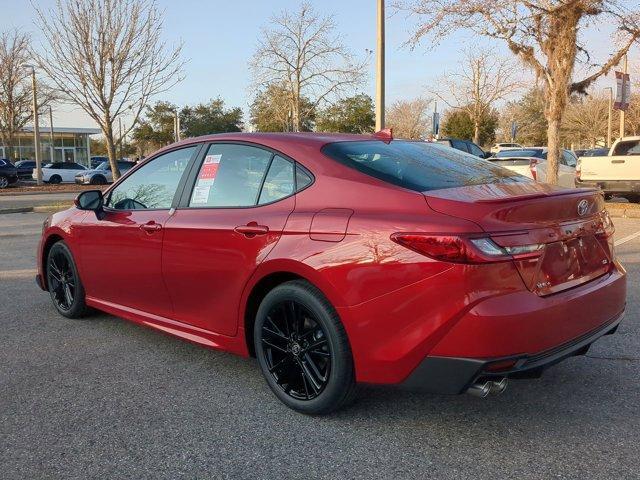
571	225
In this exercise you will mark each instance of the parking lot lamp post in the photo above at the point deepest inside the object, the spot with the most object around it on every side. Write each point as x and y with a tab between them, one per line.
622	112
36	127
610	114
380	87
51	133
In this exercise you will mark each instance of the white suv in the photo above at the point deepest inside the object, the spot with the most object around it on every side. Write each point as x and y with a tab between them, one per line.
60	172
102	174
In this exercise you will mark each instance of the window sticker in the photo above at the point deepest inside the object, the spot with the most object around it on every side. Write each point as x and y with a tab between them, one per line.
209	167
201	194
206	178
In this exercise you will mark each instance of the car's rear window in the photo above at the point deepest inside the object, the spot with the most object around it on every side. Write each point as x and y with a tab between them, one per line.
419	166
533	152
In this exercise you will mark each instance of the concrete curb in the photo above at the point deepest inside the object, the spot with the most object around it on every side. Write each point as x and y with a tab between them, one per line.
624	212
38	209
6	193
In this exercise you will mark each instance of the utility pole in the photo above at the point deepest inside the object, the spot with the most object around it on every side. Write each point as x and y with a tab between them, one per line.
622	112
380	68
176	126
36	125
51	150
120	136
610	116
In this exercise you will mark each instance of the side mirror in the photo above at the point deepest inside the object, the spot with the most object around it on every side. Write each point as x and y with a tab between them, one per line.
90	200
487	155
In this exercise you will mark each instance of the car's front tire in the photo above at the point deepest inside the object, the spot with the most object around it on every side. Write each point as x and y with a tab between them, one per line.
98	180
303	350
63	282
55	179
4	182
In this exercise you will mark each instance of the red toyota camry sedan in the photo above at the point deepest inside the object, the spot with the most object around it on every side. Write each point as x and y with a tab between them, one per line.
338	259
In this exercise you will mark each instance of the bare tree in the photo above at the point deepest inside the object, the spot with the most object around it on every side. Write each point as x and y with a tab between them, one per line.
544	34
482	80
585	121
16	107
301	52
410	118
109	59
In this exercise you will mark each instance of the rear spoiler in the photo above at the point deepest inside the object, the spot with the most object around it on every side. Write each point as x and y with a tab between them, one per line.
531	196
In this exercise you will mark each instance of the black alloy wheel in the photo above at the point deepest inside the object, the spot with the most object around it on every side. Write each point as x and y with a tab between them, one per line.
303	350
63	281
296	350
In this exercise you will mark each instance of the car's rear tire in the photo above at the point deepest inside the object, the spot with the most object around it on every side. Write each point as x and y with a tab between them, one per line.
63	282
4	182
98	180
633	198
55	179
303	350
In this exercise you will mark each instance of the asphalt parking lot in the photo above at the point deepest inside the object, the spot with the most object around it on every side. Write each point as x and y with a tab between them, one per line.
103	398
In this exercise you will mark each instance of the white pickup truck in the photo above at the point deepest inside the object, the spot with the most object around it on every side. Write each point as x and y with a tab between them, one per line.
616	174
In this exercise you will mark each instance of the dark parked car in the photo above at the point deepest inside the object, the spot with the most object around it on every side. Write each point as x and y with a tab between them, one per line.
8	173
25	169
96	161
464	146
596	152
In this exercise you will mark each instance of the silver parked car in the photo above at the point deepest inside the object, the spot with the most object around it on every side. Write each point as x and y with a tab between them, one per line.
102	174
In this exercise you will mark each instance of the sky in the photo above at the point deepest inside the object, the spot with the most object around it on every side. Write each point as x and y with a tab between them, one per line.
219	38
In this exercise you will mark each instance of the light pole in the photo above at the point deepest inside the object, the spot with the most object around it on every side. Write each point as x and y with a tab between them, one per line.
52	150
610	115
380	68
36	126
622	112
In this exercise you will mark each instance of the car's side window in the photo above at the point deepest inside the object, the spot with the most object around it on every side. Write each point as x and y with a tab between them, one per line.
475	150
154	185
459	145
303	178
279	182
230	176
568	159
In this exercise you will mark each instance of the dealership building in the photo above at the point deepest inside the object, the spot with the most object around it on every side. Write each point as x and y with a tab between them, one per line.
62	145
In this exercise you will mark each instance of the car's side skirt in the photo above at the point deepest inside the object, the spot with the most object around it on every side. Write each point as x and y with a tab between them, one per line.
185	331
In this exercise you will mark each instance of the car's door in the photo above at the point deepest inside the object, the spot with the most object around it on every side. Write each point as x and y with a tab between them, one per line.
120	257
69	171
232	213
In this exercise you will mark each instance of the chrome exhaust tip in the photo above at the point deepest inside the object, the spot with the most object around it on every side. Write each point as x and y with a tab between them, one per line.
499	386
480	389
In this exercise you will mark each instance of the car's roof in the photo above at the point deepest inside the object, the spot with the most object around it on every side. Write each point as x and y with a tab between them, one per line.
307	138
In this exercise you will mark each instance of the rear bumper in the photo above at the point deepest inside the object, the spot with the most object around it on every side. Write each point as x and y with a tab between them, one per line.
449	375
444	317
612	186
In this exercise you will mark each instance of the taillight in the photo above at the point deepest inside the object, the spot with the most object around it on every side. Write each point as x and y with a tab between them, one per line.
533	166
462	249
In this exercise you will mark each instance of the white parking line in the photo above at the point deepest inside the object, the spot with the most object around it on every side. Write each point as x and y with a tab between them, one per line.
627	238
14	274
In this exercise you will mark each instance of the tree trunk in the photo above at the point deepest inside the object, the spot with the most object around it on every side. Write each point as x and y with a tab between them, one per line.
111	152
553	143
476	132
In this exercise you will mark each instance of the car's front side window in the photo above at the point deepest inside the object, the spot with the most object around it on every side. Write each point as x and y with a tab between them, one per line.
154	185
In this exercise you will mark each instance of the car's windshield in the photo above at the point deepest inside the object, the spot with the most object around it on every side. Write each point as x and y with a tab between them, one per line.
104	166
532	152
419	166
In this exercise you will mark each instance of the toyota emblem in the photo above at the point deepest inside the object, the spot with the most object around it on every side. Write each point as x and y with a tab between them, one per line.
583	207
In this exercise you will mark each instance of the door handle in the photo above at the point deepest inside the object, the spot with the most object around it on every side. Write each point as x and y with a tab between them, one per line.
150	227
617	161
252	229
